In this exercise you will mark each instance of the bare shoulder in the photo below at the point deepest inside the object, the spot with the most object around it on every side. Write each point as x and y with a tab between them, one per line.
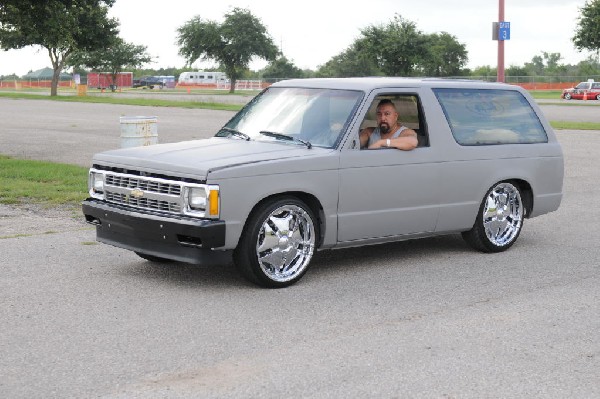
368	131
408	133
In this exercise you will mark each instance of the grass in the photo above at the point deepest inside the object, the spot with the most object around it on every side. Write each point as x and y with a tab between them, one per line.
149	102
39	182
546	94
567	125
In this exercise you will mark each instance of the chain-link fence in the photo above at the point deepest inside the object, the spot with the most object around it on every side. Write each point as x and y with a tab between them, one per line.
528	82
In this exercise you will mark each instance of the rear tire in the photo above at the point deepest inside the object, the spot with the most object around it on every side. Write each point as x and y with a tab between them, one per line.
278	243
499	221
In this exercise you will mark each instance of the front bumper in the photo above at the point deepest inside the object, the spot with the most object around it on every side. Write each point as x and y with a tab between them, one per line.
178	238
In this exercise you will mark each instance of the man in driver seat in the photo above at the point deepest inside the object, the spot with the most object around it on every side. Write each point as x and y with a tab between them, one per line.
388	133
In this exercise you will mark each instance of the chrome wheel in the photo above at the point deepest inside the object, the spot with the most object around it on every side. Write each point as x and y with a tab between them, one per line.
503	214
499	221
285	243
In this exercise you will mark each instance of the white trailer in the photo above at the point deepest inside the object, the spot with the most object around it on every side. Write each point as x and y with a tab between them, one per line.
202	78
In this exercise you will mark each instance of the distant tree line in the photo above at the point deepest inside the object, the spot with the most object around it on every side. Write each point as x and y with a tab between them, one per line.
546	66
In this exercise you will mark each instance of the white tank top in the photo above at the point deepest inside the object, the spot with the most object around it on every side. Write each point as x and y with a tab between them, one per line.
376	135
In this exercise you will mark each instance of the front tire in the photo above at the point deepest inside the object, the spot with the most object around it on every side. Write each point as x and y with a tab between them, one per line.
278	243
567	96
499	221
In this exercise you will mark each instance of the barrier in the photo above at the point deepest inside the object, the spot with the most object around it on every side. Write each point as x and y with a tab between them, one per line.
82	90
137	131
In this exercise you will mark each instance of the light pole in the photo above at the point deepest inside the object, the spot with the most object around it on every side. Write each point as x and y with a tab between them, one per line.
500	76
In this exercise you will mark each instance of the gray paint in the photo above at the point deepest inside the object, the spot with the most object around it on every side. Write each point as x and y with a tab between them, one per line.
365	196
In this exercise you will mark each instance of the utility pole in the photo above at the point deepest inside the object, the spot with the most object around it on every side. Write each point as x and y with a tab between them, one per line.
500	77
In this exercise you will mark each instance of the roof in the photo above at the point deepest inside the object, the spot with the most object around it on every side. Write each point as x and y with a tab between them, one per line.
46	74
371	83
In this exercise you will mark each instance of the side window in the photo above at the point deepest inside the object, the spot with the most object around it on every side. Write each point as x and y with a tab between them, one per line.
409	111
487	117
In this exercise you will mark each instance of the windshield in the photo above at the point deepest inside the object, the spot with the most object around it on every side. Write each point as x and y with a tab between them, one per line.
315	116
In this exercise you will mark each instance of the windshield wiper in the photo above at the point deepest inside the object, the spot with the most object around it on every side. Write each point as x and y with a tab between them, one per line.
236	133
282	136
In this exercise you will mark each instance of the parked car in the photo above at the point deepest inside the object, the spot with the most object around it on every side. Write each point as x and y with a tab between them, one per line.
286	176
589	90
148	82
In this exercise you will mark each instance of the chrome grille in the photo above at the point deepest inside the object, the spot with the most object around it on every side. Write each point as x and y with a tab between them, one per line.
144	192
145	203
144	184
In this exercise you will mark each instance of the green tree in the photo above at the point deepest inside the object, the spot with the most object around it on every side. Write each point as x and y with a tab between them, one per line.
552	60
282	68
232	44
445	56
353	61
397	48
536	66
60	26
485	72
115	58
515	70
589	67
587	33
547	64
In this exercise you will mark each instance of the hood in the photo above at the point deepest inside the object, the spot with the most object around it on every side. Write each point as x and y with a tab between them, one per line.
196	159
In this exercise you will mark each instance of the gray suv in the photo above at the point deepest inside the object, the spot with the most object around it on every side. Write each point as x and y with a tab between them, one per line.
287	176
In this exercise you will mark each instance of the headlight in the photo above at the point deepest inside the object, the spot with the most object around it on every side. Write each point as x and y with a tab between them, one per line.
96	184
203	201
197	198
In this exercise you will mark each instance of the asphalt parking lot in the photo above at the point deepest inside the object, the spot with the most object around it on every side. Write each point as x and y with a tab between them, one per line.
426	318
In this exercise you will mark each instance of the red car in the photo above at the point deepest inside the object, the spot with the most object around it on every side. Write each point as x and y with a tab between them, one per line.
589	90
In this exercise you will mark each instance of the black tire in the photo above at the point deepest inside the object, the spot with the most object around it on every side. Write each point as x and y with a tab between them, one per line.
152	258
277	243
567	96
499	220
598	97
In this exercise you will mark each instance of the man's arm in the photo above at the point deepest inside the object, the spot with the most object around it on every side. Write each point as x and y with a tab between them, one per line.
406	141
364	136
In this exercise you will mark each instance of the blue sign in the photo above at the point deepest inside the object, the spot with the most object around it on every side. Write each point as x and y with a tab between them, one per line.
504	31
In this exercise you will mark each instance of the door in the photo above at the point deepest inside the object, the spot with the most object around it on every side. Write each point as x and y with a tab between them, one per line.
388	192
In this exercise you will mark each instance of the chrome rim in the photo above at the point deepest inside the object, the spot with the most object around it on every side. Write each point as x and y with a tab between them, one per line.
286	243
503	214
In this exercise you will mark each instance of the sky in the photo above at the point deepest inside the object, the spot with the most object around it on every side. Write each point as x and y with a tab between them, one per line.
310	32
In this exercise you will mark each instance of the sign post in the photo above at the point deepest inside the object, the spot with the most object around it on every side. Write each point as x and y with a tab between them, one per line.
502	30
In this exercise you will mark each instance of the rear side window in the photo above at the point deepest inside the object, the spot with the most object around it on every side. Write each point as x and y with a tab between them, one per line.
487	117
